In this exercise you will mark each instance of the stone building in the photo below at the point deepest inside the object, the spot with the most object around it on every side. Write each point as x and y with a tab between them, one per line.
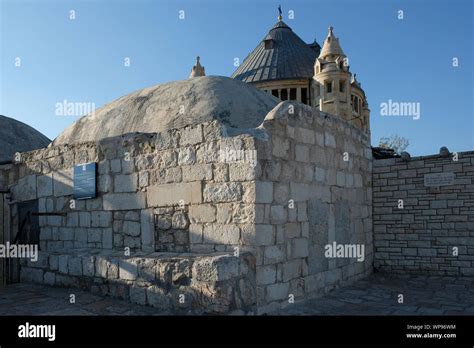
225	197
15	137
209	195
289	69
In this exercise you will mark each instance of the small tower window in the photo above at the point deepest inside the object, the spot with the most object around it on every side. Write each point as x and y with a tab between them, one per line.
284	94
329	87
275	92
342	86
356	104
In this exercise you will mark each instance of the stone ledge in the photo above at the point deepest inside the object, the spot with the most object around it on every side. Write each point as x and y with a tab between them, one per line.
184	283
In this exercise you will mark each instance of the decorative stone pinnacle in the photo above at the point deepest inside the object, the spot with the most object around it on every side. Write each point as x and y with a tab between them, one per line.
198	69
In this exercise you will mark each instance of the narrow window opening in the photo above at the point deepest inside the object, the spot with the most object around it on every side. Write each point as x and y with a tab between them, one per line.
304	96
293	94
328	87
356	103
342	85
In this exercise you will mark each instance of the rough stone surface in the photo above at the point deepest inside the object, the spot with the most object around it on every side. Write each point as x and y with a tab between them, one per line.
208	98
432	232
227	192
276	191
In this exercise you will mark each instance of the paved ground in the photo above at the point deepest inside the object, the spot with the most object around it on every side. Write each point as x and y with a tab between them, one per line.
376	295
28	299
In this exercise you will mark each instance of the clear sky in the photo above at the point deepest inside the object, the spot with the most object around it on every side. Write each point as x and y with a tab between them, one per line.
82	60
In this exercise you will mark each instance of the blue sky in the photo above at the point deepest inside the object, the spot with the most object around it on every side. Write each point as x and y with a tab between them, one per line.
82	60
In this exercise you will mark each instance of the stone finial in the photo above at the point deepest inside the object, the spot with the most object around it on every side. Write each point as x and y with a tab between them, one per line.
405	156
198	69
331	45
444	151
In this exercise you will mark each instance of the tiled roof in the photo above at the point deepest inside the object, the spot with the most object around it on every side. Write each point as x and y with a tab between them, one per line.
286	57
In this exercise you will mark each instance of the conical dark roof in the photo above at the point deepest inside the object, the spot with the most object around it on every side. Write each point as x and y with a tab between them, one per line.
283	56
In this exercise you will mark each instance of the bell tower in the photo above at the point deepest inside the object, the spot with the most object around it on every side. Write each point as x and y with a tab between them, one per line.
331	74
335	90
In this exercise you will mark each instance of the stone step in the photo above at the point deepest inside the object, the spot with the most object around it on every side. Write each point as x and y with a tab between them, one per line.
181	283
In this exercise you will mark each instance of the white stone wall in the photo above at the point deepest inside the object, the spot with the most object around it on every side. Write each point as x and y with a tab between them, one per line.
308	196
433	231
166	192
176	185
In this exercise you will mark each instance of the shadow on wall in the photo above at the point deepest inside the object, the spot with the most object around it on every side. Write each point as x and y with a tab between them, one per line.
84	244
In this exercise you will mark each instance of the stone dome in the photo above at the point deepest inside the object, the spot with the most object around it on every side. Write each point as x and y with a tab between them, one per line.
174	105
16	136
